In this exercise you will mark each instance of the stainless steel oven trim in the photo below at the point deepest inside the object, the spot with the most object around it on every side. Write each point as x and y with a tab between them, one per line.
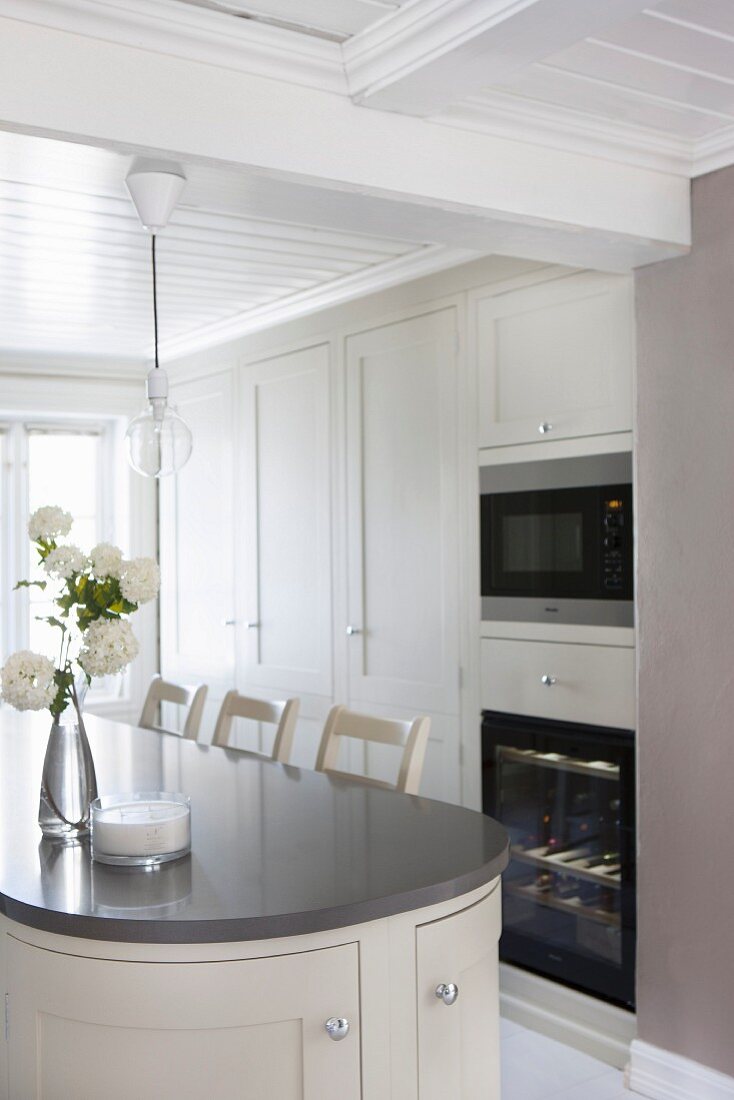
557	473
528	609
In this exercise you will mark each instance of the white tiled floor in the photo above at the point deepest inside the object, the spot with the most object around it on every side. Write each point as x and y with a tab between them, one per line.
536	1068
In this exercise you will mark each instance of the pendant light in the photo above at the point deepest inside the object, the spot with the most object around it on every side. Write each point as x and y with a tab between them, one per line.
158	441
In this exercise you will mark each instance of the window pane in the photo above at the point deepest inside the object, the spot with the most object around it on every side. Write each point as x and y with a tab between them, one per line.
62	470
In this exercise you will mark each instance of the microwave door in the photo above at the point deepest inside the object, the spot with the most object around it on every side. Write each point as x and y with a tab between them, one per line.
543	544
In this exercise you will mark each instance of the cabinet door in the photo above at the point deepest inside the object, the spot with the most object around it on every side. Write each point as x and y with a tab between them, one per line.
196	546
402	515
285	553
557	355
86	1028
458	1044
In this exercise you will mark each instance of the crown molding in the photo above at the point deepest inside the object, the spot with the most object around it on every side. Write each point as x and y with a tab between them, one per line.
713	152
405	39
414	265
102	368
197	34
503	114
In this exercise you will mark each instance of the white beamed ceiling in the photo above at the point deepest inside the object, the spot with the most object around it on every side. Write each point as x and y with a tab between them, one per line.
651	88
75	273
656	89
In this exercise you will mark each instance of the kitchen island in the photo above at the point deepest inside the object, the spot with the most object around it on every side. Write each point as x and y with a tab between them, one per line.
306	901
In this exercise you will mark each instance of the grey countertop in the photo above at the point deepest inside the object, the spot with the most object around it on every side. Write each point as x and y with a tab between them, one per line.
276	851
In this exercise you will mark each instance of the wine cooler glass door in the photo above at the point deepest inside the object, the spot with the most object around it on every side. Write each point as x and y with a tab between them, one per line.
562	797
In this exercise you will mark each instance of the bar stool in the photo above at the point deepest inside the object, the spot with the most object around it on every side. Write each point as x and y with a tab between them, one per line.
282	714
411	736
191	696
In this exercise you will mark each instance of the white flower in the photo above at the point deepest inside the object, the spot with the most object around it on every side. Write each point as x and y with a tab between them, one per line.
140	580
109	646
49	522
64	561
106	560
28	681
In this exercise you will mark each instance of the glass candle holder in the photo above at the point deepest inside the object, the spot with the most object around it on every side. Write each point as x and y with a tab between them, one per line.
141	829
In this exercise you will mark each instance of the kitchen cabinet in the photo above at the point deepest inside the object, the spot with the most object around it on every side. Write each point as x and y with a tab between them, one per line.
402	533
554	359
458	1033
284	595
197	545
253	1028
337	481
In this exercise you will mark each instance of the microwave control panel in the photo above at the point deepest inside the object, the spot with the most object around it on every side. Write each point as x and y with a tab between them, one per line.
614	521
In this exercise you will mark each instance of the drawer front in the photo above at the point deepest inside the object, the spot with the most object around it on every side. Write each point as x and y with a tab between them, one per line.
588	683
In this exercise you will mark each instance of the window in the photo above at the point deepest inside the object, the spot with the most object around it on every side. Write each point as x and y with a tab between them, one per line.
50	462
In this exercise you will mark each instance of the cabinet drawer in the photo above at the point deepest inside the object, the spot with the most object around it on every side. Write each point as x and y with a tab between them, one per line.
591	683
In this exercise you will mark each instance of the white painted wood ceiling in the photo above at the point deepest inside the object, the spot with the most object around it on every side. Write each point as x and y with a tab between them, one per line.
75	274
661	82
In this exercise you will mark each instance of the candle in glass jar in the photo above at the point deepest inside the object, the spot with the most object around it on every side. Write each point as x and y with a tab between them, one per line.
141	827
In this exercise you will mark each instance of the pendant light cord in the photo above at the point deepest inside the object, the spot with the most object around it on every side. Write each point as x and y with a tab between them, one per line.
155	300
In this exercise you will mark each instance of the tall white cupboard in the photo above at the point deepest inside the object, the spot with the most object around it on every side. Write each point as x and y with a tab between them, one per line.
310	546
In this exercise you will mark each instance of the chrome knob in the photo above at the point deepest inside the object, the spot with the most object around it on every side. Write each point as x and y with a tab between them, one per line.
252	626
353	630
545	427
337	1028
229	622
549	681
447	993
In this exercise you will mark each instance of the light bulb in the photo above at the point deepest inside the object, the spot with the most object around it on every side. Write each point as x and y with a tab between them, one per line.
158	441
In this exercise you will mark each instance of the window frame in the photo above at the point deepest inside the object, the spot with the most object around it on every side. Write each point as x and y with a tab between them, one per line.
15	606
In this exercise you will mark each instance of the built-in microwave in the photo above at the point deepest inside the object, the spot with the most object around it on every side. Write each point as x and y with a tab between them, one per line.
557	541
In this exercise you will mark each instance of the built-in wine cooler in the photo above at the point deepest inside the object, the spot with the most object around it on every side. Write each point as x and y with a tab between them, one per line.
566	795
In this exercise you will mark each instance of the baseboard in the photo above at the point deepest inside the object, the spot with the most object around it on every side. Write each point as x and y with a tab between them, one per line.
585	1023
664	1076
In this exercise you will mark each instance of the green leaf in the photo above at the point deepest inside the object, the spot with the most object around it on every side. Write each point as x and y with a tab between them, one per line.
52	621
30	584
45	546
63	678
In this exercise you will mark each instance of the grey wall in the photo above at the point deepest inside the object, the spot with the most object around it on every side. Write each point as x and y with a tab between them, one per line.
685	498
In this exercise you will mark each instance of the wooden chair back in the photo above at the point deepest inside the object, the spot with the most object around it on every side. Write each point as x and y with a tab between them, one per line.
283	714
411	736
192	696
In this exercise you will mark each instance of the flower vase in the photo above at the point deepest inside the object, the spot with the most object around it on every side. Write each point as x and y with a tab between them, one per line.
68	783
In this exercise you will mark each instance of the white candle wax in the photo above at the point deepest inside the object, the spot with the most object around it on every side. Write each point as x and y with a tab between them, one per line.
141	828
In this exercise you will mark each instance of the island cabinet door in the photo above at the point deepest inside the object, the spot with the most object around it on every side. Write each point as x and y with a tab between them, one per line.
458	1033
246	1030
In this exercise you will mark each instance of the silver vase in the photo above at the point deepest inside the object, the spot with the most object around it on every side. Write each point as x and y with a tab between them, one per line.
68	783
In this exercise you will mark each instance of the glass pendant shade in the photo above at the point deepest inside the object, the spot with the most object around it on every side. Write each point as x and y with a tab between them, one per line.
158	441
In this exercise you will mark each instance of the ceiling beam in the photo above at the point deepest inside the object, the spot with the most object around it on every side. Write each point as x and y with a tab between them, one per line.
433	53
376	171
